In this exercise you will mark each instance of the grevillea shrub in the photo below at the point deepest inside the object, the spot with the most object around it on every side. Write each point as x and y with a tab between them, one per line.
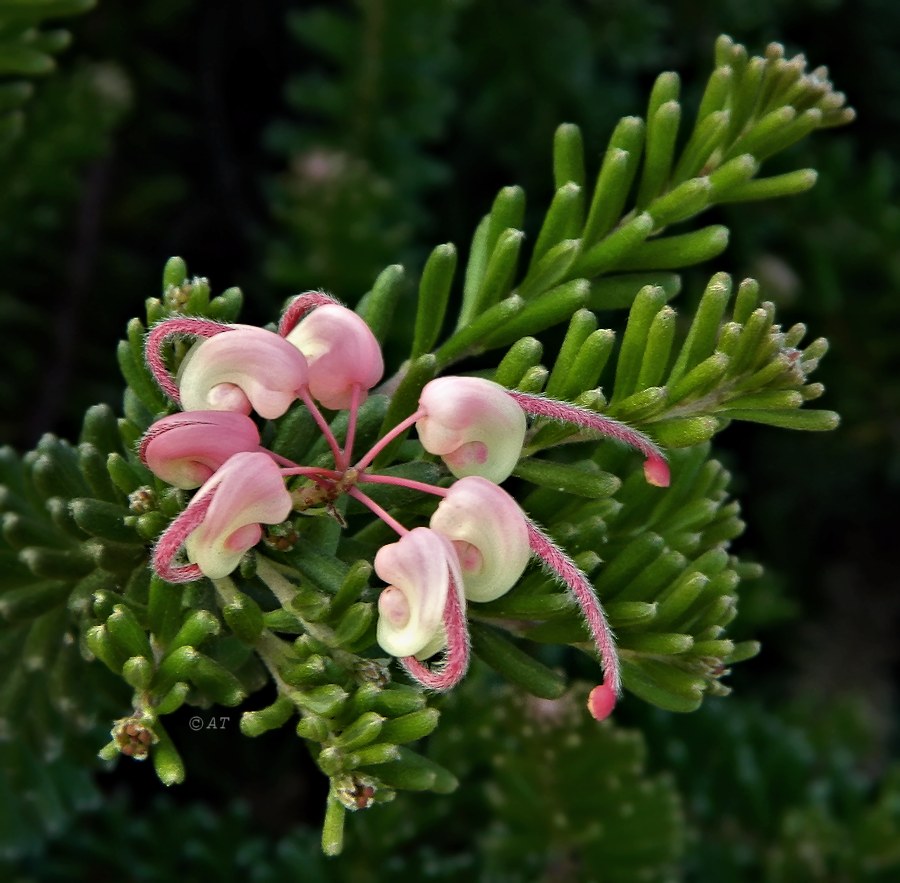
288	512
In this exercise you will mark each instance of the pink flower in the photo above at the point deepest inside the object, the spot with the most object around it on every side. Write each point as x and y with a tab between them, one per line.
490	534
473	425
223	519
342	353
245	369
419	569
185	449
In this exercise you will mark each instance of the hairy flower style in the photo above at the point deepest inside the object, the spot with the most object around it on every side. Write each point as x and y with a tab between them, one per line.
490	534
161	332
246	369
223	519
185	449
341	352
473	425
419	570
656	470
559	565
300	306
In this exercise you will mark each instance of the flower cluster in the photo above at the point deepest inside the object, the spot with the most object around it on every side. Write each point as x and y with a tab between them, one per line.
478	541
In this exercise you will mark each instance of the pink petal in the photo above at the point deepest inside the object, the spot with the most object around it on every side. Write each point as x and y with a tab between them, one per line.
185	449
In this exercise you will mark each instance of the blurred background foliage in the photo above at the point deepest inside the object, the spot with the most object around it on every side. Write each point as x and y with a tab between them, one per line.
289	145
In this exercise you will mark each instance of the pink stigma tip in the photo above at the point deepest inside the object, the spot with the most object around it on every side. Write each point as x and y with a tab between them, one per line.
601	702
656	471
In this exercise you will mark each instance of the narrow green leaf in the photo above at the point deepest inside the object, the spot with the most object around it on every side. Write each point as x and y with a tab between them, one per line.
551	269
550	308
105	520
806	420
664	685
640	318
700	380
657	349
706	138
773	187
685	432
434	293
127	633
378	305
662	131
410	727
617	250
673	252
255	723
716	93
589	363
653	644
17	58
514	664
704	330
684	201
405	401
471	337
227	306
475	267
568	156
581	325
615	178
500	272
733	174
563	221
167	761
581	479
523	355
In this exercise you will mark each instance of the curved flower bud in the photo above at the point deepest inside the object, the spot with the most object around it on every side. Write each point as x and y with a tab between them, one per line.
490	534
341	352
185	449
419	570
223	519
473	424
246	369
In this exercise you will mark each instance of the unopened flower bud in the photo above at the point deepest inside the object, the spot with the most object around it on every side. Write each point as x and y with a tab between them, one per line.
418	569
223	519
241	370
473	425
185	449
342	353
489	533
